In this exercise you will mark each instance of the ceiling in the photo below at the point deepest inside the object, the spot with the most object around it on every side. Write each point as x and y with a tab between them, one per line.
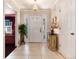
28	4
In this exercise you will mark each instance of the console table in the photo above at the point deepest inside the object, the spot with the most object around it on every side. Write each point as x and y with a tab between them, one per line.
52	42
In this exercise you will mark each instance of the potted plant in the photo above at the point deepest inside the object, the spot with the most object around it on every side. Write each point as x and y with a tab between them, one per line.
23	32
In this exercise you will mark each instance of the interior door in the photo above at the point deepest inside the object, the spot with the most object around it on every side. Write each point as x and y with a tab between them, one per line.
35	26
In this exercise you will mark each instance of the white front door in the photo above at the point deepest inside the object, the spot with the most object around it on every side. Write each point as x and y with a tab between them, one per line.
35	28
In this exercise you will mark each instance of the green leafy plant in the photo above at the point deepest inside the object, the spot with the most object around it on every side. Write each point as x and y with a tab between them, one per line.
23	32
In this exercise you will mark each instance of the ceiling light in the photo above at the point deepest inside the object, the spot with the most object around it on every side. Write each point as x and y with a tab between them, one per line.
35	6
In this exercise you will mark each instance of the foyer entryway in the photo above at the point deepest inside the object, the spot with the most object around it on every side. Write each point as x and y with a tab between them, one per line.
37	25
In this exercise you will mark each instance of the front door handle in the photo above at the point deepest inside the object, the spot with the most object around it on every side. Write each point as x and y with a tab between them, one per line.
72	33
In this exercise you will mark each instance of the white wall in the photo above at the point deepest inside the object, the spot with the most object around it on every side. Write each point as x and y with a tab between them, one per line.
67	24
17	22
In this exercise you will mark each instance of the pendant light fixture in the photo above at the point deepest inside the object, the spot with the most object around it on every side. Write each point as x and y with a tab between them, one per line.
35	7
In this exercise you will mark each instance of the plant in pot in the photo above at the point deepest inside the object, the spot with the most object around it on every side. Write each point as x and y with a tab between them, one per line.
23	32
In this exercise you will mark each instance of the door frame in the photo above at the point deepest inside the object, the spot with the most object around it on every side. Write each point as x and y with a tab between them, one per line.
42	32
25	13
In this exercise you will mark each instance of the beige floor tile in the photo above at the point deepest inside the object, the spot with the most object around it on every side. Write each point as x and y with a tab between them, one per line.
33	51
49	57
35	57
17	57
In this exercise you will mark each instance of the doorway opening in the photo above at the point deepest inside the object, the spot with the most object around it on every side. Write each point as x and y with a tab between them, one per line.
37	28
9	34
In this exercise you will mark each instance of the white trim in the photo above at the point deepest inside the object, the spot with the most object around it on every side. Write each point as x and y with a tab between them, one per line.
16	30
17	36
26	39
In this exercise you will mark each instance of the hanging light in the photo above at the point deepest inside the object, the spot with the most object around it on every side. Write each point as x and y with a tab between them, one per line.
35	7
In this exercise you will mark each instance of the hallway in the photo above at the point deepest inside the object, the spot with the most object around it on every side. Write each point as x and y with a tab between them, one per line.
34	51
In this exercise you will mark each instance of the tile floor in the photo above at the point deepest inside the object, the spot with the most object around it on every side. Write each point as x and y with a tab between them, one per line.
34	51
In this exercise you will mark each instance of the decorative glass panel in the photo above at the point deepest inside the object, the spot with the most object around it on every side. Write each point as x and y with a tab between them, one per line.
8	26
8	29
7	23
